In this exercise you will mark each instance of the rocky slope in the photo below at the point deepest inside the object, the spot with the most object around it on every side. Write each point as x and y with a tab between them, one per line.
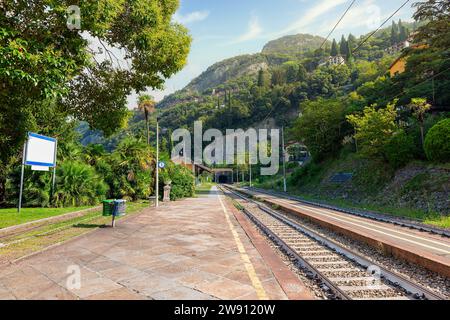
296	45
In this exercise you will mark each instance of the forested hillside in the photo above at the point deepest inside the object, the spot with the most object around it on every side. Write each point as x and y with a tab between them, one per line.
353	116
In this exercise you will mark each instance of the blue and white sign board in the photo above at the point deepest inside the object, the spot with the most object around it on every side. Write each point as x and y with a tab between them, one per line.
161	165
40	151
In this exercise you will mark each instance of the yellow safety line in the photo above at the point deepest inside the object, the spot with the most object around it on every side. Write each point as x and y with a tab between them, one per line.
262	295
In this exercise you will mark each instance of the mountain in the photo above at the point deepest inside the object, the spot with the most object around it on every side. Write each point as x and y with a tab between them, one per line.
274	53
228	69
298	44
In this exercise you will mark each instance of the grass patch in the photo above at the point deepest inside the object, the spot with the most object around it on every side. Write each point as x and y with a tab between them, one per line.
10	217
204	188
47	235
430	218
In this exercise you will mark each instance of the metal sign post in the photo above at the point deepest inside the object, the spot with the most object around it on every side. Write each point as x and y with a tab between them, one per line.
21	177
54	174
157	166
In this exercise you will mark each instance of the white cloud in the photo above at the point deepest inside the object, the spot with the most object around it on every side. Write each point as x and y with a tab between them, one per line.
306	20
366	16
191	17
253	32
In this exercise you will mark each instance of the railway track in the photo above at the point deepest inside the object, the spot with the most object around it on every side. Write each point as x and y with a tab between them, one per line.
416	225
343	274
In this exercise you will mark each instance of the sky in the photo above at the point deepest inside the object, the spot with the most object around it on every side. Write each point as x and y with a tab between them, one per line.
225	28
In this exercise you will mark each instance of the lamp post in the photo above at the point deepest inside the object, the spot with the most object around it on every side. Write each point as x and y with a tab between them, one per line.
157	165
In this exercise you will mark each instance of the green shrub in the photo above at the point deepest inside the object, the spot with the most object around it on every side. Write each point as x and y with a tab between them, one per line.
437	142
78	184
304	175
182	181
130	170
400	149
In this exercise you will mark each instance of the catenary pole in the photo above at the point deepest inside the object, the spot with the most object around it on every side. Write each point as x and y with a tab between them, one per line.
284	159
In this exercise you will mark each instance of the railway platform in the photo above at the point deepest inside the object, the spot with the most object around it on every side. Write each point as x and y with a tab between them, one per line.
428	250
196	249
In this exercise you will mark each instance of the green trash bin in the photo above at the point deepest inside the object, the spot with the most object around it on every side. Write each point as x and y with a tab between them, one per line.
108	207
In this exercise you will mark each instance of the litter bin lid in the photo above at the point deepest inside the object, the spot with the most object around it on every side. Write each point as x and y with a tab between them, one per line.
108	201
120	201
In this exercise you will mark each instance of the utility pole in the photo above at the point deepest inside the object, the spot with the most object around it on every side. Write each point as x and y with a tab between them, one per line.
157	165
284	159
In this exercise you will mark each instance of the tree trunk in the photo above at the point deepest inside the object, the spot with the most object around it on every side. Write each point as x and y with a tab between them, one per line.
421	136
2	191
148	128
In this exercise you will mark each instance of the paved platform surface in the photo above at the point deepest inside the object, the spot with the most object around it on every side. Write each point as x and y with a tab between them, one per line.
430	251
189	249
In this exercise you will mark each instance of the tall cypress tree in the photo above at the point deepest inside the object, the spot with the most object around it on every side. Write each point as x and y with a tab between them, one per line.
334	49
403	35
343	47
394	33
349	50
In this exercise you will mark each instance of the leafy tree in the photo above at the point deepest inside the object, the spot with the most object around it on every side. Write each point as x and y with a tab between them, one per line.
321	127
42	59
419	107
291	70
301	73
132	165
437	142
278	76
263	78
399	149
374	129
334	48
146	104
436	31
181	181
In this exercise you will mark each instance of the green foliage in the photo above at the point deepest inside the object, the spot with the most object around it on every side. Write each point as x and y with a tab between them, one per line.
43	62
437	142
77	184
182	181
129	169
373	130
334	49
304	175
400	149
321	127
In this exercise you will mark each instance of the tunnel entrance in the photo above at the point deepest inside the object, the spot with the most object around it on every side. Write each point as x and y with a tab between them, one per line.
224	175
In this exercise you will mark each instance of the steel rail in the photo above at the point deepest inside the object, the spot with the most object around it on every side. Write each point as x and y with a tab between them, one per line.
370	215
417	291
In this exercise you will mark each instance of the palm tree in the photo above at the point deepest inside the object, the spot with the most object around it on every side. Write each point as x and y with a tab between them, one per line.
146	103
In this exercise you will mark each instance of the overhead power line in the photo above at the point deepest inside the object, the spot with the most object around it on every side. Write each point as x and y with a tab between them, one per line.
376	30
335	26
